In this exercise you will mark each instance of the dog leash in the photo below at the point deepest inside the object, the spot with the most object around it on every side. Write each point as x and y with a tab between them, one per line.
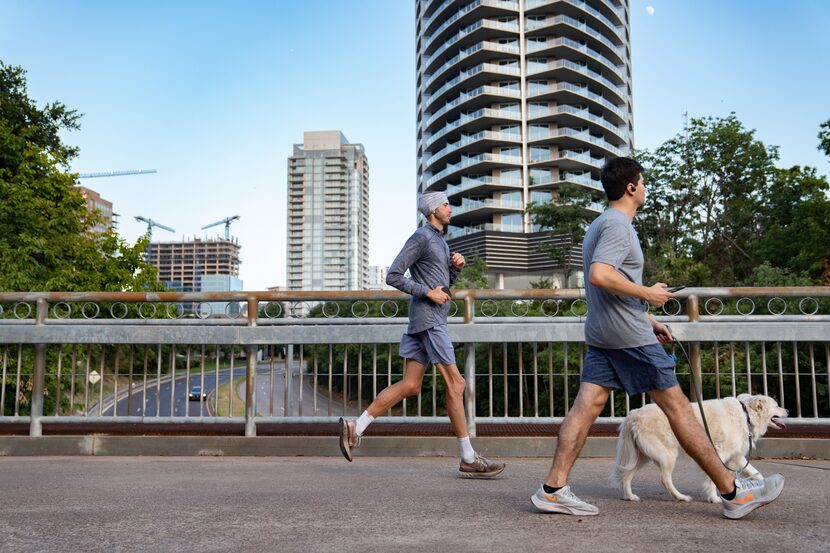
703	415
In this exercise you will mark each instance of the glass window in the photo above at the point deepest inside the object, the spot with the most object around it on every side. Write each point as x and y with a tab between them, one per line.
539	130
513	220
539	197
540	175
511	129
511	196
539	153
511	176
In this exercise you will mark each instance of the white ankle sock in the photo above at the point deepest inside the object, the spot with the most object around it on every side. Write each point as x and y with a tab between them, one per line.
363	422
468	454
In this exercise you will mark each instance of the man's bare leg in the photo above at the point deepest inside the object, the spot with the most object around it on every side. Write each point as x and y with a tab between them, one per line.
588	405
455	398
409	385
692	436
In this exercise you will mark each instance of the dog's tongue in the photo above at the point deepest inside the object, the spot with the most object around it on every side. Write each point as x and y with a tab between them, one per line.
779	423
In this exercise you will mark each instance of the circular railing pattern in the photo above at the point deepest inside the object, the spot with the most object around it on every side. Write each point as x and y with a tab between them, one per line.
60	310
677	307
708	306
804	311
328	314
774	311
269	314
122	313
17	315
383	309
714	306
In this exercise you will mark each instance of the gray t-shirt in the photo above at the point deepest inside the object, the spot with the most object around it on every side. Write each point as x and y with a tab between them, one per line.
615	322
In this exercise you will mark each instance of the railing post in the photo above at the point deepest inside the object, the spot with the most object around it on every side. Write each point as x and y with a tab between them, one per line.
250	372
288	396
470	368
35	427
693	311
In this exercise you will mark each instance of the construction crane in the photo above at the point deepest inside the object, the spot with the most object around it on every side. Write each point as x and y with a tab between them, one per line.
116	173
227	221
151	224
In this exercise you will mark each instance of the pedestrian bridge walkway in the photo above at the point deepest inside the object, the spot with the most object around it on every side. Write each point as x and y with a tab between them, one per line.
385	504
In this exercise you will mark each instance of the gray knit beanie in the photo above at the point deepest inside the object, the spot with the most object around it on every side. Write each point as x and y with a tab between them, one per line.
431	201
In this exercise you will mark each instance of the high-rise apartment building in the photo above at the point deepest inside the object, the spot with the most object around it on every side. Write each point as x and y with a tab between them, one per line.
94	202
182	265
515	98
328	214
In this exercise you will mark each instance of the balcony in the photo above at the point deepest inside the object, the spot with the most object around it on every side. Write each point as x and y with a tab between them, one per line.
483	95
485	116
481	139
572	93
555	68
575	116
576	139
487	72
553	47
468	54
478	162
458	232
476	209
569	24
483	184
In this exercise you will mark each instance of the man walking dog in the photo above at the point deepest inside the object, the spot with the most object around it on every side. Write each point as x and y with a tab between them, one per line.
427	257
625	353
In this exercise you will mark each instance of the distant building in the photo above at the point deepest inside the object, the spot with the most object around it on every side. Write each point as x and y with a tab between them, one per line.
94	202
516	98
220	283
377	278
328	214
183	265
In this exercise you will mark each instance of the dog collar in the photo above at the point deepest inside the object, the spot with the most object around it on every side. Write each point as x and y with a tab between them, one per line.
746	413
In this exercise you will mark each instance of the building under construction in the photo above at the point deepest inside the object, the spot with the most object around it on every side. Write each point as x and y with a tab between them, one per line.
181	265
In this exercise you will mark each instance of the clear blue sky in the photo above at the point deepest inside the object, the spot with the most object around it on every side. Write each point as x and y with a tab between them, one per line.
214	94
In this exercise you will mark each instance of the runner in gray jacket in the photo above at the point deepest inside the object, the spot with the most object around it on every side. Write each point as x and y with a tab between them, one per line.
427	258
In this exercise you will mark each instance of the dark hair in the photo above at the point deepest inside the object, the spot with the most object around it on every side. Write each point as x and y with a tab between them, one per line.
616	174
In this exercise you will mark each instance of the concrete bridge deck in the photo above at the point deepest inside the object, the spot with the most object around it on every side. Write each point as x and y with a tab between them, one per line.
206	504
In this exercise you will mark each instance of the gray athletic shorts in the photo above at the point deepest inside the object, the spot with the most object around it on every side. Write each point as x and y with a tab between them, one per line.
635	370
431	345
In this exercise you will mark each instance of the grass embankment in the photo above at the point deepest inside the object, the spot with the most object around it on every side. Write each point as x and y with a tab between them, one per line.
223	393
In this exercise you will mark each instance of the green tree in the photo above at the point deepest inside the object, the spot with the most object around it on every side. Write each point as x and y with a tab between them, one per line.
474	275
705	190
46	237
794	223
566	217
824	137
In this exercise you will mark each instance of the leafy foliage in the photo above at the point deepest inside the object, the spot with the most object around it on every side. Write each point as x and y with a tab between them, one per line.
46	237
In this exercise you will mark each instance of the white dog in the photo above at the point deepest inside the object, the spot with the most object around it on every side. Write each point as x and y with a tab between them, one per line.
645	435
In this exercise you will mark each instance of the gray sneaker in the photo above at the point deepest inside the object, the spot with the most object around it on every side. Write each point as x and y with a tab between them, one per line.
563	501
752	494
348	439
480	468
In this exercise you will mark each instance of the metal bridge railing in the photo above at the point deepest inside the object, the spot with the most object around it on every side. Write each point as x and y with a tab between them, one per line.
313	356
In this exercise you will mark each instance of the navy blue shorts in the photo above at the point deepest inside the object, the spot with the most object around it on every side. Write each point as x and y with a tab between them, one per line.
431	345
635	370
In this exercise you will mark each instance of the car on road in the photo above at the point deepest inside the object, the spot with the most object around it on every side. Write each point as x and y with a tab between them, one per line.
196	394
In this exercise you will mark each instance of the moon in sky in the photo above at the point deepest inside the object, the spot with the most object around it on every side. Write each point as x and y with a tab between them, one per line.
650	10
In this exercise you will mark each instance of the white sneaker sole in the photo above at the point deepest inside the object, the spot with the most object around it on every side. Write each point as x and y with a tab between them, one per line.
559	508
747	509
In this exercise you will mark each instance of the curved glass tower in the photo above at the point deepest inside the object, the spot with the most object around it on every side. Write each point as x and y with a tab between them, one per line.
514	98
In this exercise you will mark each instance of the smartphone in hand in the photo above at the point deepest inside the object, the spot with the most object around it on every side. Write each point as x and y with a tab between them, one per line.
674	289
